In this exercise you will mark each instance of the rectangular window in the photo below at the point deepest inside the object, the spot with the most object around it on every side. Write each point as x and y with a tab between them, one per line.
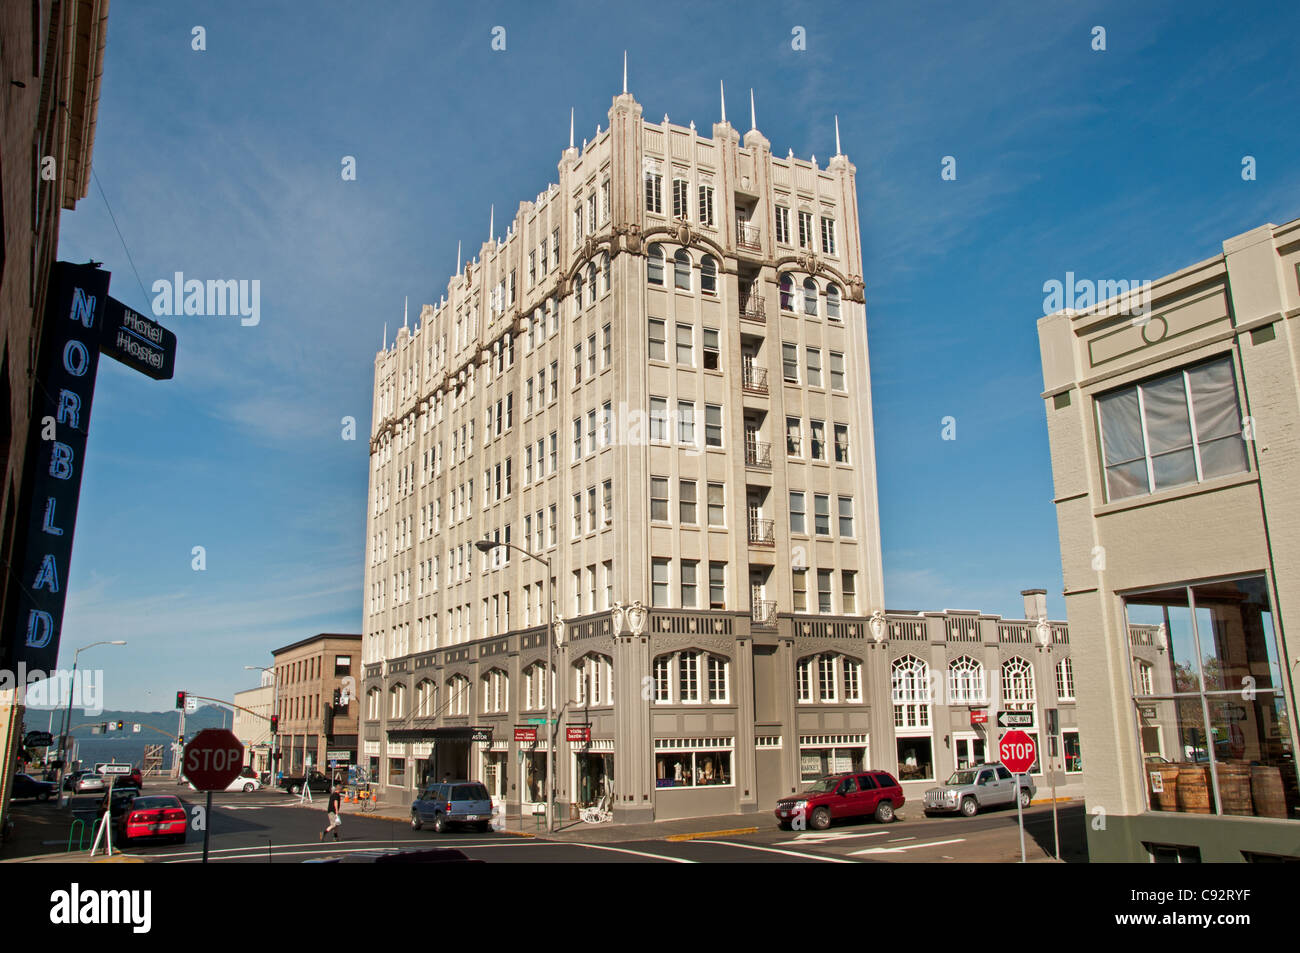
606	345
824	591
706	204
577	439
686	502
607	503
606	424
659	583
1181	428
591	355
659	499
841	443
591	431
688	676
782	225
577	364
793	437
798	513
717	504
712	350
849	592
654	192
554	525
846	517
828	235
591	213
837	372
685	422
814	366
608	567
680	201
577	515
686	345
604	201
717	585
591	516
690	583
657	340
800	588
790	363
1073	753
658	420
712	425
555	381
822	513
817	432
805	229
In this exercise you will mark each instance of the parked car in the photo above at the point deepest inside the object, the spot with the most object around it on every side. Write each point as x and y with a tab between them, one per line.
135	779
88	782
452	802
839	796
27	786
153	815
240	783
318	783
972	789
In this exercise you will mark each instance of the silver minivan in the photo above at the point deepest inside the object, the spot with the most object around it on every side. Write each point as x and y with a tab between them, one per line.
980	786
452	802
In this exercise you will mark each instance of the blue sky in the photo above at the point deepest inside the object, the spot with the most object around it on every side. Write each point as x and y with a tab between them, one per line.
225	163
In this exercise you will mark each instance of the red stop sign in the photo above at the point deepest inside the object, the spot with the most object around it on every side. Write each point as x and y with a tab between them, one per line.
213	759
1017	752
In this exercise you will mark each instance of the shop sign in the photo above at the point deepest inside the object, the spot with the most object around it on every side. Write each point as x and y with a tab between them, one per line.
578	733
481	735
344	756
138	342
810	764
526	735
1148	712
978	716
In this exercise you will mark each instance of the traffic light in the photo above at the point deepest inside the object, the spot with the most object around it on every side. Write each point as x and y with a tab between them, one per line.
180	700
275	724
119	726
338	697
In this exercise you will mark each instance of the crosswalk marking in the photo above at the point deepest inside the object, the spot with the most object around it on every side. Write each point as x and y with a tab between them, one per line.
903	847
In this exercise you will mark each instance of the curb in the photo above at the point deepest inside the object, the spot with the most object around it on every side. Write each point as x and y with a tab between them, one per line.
726	833
1048	800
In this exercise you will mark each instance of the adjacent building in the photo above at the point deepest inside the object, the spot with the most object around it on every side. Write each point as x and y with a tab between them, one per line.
1174	419
315	687
252	723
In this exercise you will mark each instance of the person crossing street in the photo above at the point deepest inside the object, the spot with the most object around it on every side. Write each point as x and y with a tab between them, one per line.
332	813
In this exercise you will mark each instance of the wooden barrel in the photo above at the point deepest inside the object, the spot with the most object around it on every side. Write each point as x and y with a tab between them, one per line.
1166	799
1193	789
1234	788
1267	792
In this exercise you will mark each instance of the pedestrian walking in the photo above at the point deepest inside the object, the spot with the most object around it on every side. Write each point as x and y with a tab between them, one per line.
332	813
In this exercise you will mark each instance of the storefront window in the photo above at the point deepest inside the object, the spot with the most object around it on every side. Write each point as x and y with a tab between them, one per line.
817	763
534	788
1073	756
595	776
1209	700
915	759
969	751
494	773
689	769
397	772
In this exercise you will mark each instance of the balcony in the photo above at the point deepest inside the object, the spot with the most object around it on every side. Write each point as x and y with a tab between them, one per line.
761	532
754	379
763	613
758	454
753	307
748	237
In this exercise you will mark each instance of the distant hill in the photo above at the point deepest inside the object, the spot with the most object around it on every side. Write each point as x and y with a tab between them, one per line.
167	723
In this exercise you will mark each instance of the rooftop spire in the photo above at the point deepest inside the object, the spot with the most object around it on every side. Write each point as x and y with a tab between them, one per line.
458	257
406	312
722	93
837	137
753	123
625	72
385	335
492	224
570	127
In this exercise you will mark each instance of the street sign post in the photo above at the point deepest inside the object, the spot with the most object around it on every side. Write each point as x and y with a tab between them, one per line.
1015	719
1017	752
212	759
112	769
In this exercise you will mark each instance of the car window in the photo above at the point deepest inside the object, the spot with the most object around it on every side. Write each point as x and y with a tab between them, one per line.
986	777
866	782
886	780
1003	773
154	803
847	786
469	792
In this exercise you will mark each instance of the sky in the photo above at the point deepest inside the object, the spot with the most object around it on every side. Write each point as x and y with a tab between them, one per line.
225	162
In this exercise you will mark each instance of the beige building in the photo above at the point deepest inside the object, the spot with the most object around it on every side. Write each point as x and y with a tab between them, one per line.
252	724
316	687
1175	435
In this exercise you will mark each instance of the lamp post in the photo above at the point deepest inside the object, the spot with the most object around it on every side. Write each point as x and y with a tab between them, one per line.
273	747
1043	630
67	715
486	546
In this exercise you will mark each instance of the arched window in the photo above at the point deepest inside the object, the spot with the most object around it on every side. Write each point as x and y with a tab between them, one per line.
911	691
692	677
682	270
593	678
1018	684
396	701
577	289
965	681
787	293
591	284
708	275
372	704
1065	679
604	272
496	691
654	264
833	302
810	297
458	695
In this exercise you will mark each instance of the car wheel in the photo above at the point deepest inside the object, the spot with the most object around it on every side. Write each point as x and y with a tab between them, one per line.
294	789
248	788
820	820
784	825
416	823
1024	798
483	826
884	812
439	824
969	807
43	796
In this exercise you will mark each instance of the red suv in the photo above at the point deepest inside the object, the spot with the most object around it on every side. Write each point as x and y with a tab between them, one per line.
841	796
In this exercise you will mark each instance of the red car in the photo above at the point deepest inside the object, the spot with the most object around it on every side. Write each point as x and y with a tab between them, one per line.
153	815
841	796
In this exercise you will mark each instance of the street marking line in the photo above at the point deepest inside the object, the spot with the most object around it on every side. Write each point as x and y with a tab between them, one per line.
625	850
820	838
893	839
773	850
676	838
899	850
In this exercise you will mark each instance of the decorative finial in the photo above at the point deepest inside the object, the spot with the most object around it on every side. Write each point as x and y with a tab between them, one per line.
753	123
458	257
492	225
385	335
837	138
722	94
570	127
406	312
692	125
625	72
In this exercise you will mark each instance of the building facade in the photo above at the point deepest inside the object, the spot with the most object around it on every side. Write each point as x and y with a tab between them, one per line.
657	385
1175	435
52	55
252	722
315	687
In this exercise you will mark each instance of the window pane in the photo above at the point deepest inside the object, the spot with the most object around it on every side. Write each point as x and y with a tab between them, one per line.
1121	427
1214	400
1160	633
1234	624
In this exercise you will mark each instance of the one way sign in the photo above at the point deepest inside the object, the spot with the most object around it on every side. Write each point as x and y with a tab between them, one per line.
1015	719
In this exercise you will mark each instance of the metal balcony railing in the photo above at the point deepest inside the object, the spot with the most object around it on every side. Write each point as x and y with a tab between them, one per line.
758	454
761	532
763	613
752	307
748	236
754	379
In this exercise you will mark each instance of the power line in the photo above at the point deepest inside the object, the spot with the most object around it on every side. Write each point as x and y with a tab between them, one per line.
113	217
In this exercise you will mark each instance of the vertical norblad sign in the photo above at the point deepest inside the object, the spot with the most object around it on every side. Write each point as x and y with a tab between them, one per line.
56	449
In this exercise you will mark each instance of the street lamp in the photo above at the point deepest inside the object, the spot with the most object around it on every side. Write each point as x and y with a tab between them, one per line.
486	546
67	715
274	746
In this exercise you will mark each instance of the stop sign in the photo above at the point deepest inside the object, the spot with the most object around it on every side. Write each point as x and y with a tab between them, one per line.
213	759
1017	752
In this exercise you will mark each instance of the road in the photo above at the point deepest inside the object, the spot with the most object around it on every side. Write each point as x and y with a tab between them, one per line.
266	826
